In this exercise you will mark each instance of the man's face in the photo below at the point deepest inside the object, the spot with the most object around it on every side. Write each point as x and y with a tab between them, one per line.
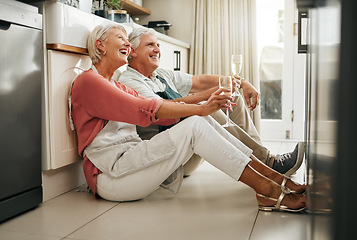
148	52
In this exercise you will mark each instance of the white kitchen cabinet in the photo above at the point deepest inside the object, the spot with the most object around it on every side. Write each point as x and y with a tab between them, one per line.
60	144
173	56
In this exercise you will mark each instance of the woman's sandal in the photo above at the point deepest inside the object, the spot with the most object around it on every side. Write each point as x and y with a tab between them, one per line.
283	183
278	206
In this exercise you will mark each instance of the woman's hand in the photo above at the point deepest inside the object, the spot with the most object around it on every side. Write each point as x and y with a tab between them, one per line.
216	102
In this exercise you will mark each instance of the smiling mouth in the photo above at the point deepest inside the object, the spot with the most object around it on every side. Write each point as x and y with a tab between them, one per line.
124	51
155	57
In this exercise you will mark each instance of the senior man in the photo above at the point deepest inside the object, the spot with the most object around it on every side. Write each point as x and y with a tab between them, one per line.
144	75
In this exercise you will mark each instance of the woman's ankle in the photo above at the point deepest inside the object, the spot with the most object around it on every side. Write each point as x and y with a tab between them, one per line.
267	188
275	176
289	183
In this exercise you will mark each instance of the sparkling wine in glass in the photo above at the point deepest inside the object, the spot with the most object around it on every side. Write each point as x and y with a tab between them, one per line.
237	61
236	64
226	82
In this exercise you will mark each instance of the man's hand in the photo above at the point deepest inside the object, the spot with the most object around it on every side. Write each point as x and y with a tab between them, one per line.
236	83
250	93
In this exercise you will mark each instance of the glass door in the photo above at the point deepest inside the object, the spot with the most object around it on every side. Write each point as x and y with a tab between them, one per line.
282	101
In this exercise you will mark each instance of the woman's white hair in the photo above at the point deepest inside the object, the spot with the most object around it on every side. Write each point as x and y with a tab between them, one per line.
99	32
135	37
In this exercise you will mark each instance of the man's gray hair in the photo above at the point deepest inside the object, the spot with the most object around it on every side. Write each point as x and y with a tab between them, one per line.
136	35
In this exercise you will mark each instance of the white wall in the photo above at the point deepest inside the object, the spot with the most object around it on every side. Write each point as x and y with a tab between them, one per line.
177	12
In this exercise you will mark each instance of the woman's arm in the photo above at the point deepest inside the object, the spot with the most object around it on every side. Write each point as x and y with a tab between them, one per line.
174	110
101	99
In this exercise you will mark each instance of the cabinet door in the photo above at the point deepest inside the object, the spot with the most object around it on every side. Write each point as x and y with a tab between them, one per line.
62	69
173	57
167	59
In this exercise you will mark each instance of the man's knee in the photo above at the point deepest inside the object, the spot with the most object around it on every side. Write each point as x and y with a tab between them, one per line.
194	121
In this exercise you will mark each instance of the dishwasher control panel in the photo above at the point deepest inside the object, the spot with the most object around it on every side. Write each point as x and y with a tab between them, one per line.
20	13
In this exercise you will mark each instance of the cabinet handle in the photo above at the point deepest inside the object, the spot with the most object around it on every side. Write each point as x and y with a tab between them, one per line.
177	55
4	25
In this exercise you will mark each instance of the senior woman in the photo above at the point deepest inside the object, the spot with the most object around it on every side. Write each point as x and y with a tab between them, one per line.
119	166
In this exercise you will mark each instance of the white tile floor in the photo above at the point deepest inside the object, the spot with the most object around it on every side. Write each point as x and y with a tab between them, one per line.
210	206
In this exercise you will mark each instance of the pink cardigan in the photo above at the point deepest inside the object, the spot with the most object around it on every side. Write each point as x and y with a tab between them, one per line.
95	100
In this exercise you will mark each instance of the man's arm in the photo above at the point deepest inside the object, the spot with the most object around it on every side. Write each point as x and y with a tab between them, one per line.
203	82
196	97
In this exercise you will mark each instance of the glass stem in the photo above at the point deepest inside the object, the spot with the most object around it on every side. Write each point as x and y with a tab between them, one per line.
227	115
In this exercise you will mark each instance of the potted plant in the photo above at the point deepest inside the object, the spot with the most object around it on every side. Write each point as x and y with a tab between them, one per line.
101	9
116	12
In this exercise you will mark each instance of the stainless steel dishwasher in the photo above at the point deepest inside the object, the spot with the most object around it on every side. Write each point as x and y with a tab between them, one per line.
21	75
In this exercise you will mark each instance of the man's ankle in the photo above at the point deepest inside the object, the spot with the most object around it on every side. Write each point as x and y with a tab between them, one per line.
270	160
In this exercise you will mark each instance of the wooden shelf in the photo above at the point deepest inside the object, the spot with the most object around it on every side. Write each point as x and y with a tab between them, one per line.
134	9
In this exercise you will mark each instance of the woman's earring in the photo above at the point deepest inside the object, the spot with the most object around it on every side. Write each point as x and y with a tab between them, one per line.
105	52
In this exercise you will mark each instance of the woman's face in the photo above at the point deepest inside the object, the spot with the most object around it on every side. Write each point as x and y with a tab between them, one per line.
116	47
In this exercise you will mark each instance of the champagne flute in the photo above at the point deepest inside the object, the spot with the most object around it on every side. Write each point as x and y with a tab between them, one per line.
236	64
226	82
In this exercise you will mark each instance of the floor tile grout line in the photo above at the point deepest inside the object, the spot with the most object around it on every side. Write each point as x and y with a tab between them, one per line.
255	221
90	221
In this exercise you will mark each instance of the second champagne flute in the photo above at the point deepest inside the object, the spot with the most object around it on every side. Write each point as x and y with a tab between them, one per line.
226	82
236	64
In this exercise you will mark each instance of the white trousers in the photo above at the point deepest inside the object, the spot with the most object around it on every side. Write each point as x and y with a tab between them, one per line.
200	135
243	129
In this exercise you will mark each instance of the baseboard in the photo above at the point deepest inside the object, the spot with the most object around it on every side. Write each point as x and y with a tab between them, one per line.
59	181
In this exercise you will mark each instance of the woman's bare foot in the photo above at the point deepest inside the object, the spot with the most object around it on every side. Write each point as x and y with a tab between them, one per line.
292	185
296	187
